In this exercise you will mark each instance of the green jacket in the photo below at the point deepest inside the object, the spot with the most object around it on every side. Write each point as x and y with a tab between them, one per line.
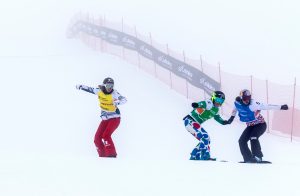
206	110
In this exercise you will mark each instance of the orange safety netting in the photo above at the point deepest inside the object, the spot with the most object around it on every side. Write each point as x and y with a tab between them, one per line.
283	123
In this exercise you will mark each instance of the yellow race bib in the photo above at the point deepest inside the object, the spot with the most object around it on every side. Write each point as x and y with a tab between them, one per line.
106	102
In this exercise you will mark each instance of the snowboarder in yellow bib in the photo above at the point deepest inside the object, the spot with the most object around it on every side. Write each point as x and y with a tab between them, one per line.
109	100
203	111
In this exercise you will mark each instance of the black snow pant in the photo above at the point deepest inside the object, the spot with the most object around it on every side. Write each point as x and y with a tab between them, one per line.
252	133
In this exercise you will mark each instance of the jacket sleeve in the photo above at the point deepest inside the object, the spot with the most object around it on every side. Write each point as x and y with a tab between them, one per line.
254	106
89	89
234	111
202	104
219	119
118	98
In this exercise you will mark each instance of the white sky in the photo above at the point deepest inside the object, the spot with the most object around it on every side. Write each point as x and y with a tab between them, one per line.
257	38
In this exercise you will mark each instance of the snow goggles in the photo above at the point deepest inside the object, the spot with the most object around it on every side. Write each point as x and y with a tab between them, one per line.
218	100
109	86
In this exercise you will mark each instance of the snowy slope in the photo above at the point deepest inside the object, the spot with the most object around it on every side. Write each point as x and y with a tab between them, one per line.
48	127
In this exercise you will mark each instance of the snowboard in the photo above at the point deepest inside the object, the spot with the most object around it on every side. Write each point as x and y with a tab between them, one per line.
215	159
221	160
212	159
262	162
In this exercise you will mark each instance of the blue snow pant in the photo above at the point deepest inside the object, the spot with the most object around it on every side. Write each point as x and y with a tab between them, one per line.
202	150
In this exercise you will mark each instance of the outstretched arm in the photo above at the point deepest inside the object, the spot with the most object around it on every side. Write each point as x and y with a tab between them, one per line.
87	89
262	106
220	120
229	121
234	111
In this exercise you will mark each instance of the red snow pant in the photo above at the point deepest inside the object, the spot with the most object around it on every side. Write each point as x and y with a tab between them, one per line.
104	143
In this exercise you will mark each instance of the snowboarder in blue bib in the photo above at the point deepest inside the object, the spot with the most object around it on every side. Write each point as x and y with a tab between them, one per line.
203	111
249	112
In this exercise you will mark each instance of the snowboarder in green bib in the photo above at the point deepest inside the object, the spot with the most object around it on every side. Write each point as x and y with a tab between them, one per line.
203	111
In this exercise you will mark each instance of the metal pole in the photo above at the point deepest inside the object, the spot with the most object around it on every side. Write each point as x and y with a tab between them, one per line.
201	63
123	52
122	25
293	109
94	39
268	114
89	40
220	79
170	73
251	81
138	54
155	74
186	82
101	40
220	83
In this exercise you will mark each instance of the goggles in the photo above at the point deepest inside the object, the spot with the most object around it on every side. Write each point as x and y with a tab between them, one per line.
219	100
246	98
109	86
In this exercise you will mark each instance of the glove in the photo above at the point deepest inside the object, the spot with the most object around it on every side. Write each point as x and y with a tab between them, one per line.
195	105
284	107
238	99
225	122
229	121
78	86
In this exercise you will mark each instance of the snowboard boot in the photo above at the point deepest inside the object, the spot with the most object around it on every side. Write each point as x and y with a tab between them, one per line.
254	159
195	156
205	155
257	159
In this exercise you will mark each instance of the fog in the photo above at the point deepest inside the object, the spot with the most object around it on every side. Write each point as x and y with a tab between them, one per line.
258	38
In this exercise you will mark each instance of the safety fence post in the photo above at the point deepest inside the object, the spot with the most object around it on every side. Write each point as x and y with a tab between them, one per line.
123	52
201	63
138	54
251	83
170	73
186	82
268	113
150	37
220	79
293	109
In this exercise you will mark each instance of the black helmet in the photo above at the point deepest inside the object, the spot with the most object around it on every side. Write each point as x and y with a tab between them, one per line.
245	95
108	83
108	80
218	97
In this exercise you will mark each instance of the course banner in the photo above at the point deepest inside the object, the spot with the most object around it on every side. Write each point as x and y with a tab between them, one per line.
180	68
